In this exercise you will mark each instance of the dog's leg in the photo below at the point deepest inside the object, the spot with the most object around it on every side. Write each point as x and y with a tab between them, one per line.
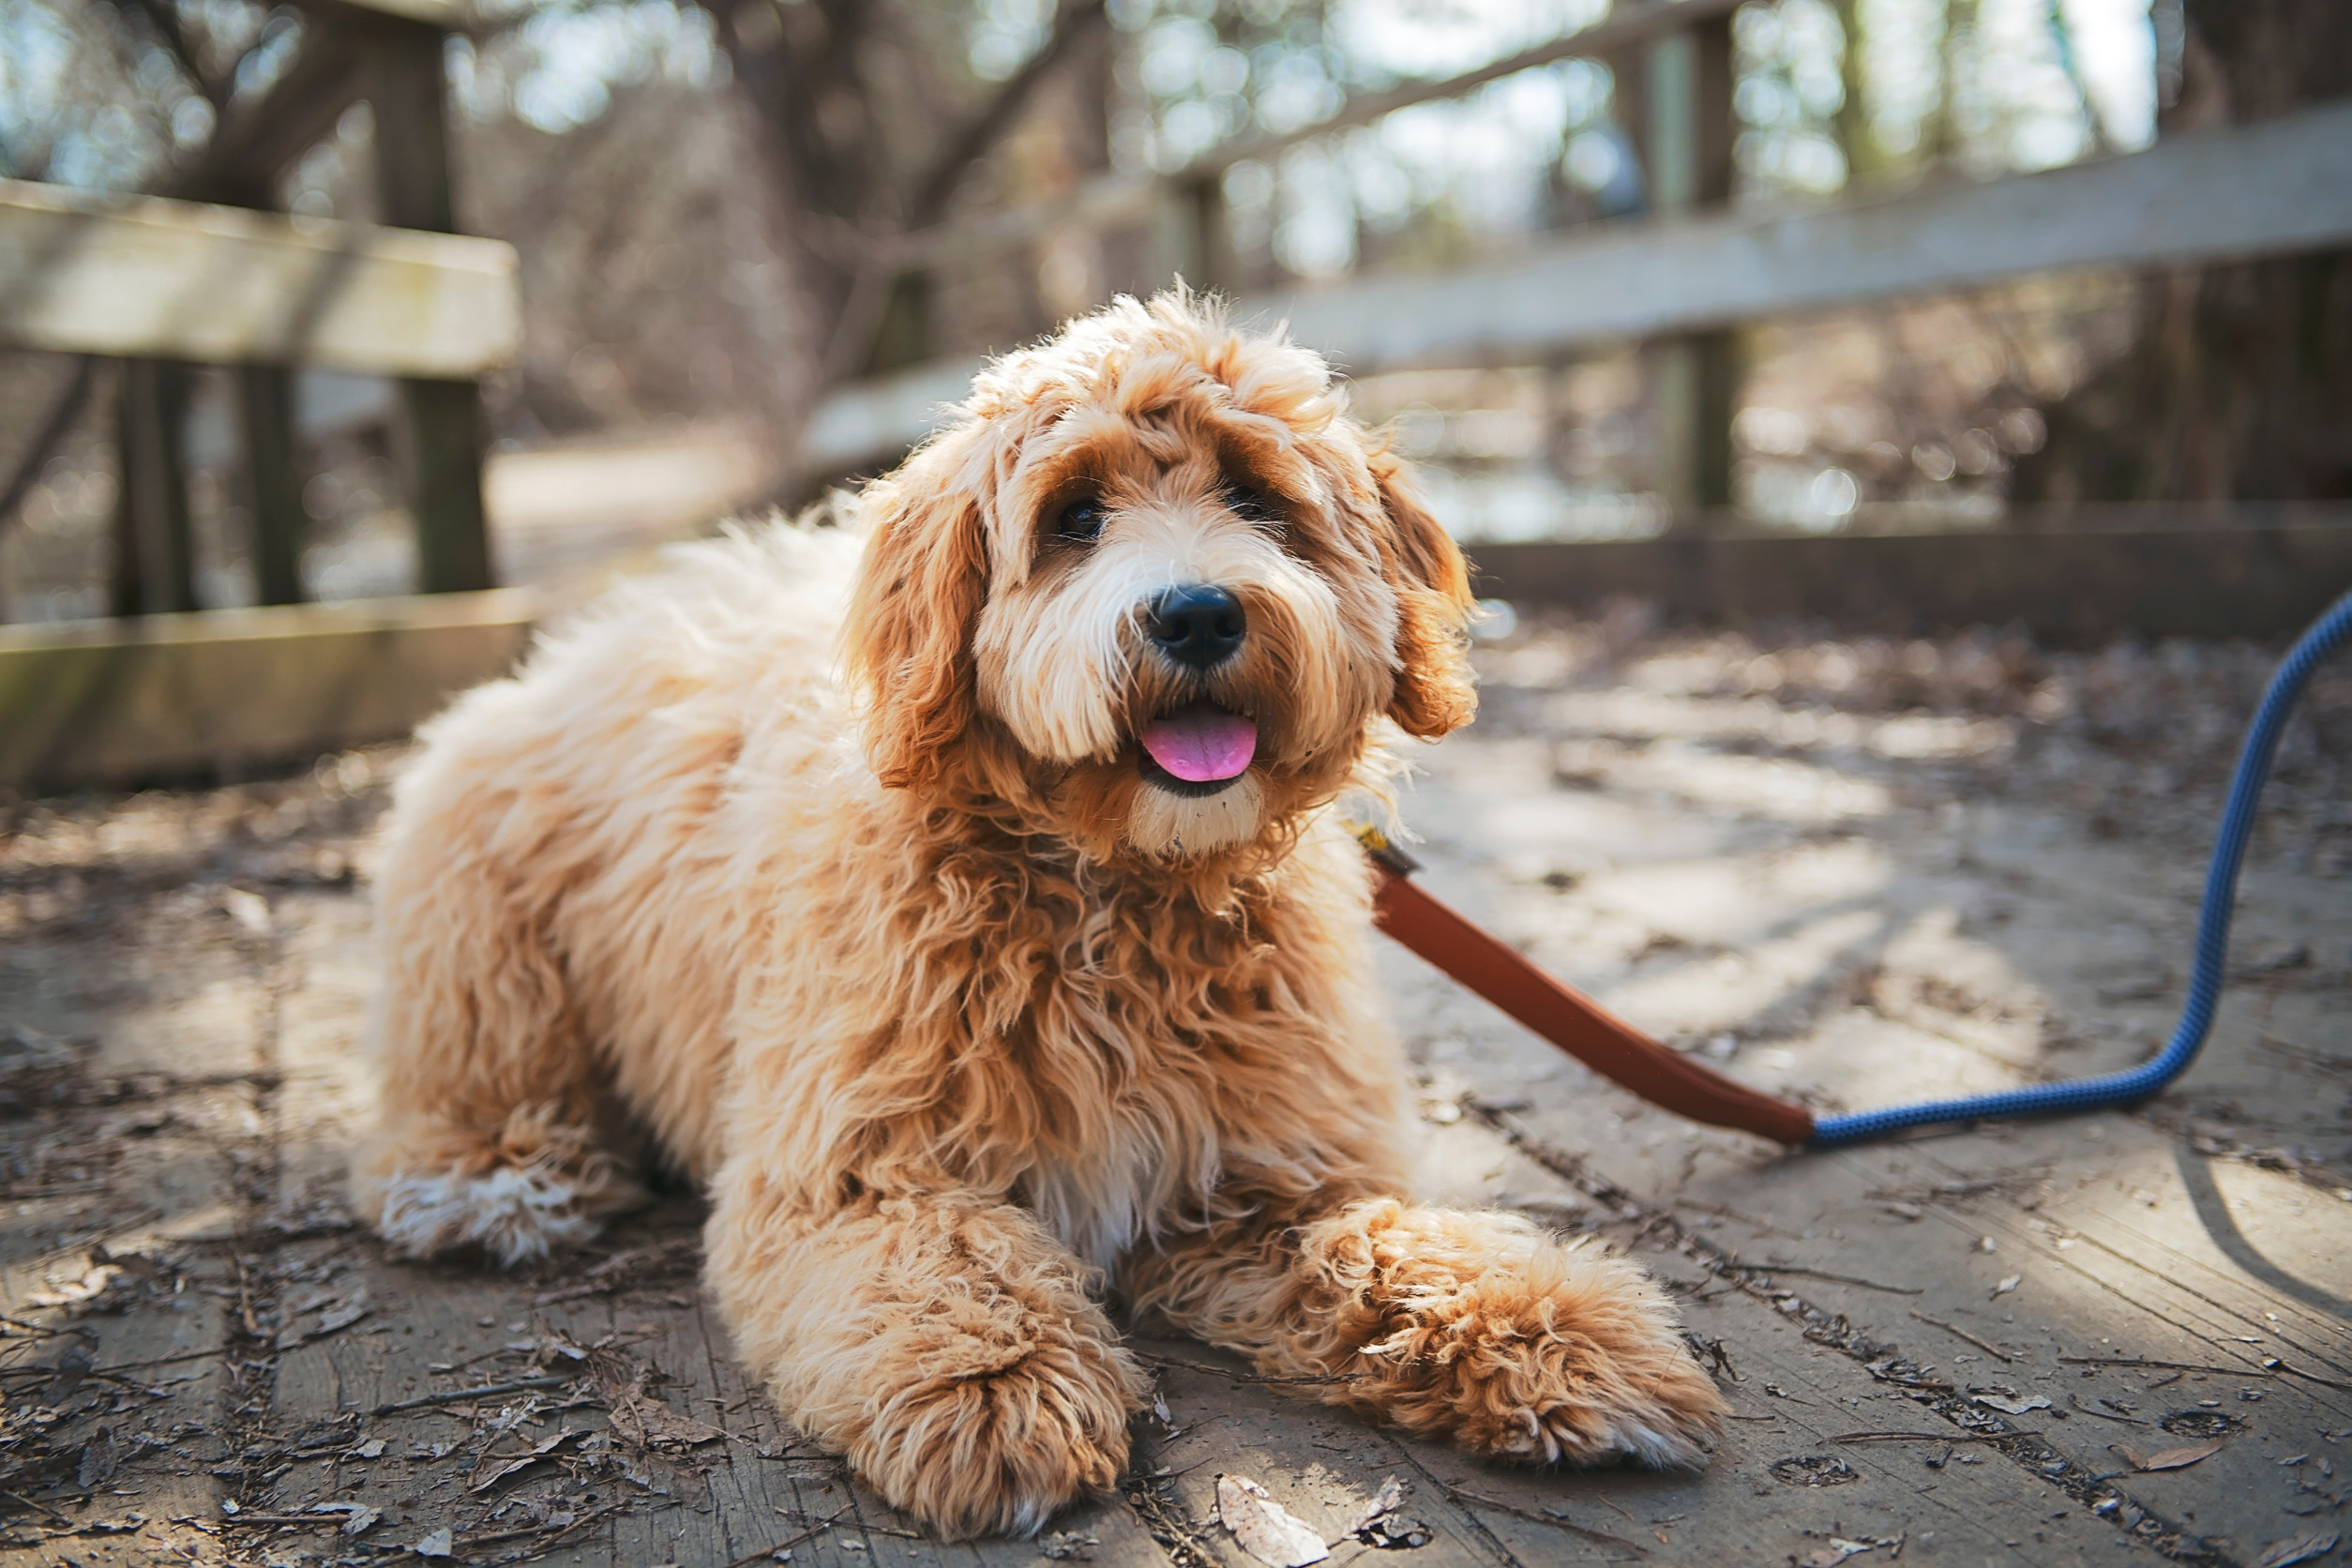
1468	1326
489	1110
947	1345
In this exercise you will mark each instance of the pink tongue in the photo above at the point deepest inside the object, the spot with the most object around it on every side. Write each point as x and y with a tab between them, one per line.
1204	744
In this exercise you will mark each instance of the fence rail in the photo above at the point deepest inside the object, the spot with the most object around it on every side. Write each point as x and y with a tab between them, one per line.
144	277
2277	187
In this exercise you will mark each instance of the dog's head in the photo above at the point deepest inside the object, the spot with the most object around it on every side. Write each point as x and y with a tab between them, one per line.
1157	581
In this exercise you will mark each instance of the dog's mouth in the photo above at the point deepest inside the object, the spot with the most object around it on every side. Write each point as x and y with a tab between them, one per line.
1198	751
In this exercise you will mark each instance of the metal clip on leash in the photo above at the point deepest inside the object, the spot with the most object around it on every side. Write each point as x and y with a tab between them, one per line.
1616	1049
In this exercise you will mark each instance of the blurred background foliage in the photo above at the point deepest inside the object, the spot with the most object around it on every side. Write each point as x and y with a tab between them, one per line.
704	197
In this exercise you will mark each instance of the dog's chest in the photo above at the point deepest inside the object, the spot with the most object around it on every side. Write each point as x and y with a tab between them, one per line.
1096	1214
1104	1202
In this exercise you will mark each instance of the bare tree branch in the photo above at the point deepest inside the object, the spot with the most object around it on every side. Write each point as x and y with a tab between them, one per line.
257	139
164	18
935	189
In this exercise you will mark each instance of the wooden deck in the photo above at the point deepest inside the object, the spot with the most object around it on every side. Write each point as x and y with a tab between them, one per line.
1852	873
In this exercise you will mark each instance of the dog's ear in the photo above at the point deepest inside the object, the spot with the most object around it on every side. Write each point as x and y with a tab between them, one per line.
1434	692
908	641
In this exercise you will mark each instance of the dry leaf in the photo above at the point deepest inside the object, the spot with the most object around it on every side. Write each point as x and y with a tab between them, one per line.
1265	1529
2012	1405
99	1462
72	1366
492	1474
640	1420
2171	1458
2298	1548
1387	1500
357	1518
2006	1286
439	1544
346	1315
371	1449
663	1427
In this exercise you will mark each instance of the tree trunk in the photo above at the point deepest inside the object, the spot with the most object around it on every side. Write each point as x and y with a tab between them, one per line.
2239	386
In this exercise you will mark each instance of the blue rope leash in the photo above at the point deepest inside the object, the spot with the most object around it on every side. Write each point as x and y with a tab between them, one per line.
2213	945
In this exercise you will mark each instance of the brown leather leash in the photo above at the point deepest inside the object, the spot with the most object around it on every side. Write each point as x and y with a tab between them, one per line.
1564	1016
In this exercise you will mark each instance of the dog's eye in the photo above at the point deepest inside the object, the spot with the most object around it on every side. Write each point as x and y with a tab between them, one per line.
1081	520
1249	502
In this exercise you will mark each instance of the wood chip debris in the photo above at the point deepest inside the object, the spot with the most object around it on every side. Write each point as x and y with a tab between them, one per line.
638	1419
2169	1458
1380	1523
336	1313
2008	1400
1814	1470
357	1517
1263	1528
1841	1547
2306	1547
490	1473
1387	1500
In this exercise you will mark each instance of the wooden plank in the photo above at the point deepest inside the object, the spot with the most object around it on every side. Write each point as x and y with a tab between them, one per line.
101	702
2255	572
1988	1253
2283	185
122	932
161	1028
142	275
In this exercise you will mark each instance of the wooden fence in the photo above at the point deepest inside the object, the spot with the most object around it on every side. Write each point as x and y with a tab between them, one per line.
206	276
1695	267
159	283
1681	277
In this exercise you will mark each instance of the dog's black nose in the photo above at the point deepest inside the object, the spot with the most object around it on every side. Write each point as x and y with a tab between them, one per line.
1197	625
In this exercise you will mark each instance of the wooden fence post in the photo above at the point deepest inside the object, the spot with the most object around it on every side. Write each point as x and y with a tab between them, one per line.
445	417
154	566
1686	136
265	415
265	421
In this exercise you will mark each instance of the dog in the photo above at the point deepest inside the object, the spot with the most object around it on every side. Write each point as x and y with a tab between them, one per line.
958	897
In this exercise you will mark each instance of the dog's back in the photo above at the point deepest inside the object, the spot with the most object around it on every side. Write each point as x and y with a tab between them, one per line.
573	858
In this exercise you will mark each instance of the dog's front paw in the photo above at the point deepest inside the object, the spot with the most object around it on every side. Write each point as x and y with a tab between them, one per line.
1556	1358
1515	1348
992	1434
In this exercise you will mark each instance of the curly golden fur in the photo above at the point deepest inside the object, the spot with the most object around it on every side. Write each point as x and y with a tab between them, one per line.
841	864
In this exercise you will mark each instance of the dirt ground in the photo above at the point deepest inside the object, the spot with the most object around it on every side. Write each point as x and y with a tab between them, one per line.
1853	873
